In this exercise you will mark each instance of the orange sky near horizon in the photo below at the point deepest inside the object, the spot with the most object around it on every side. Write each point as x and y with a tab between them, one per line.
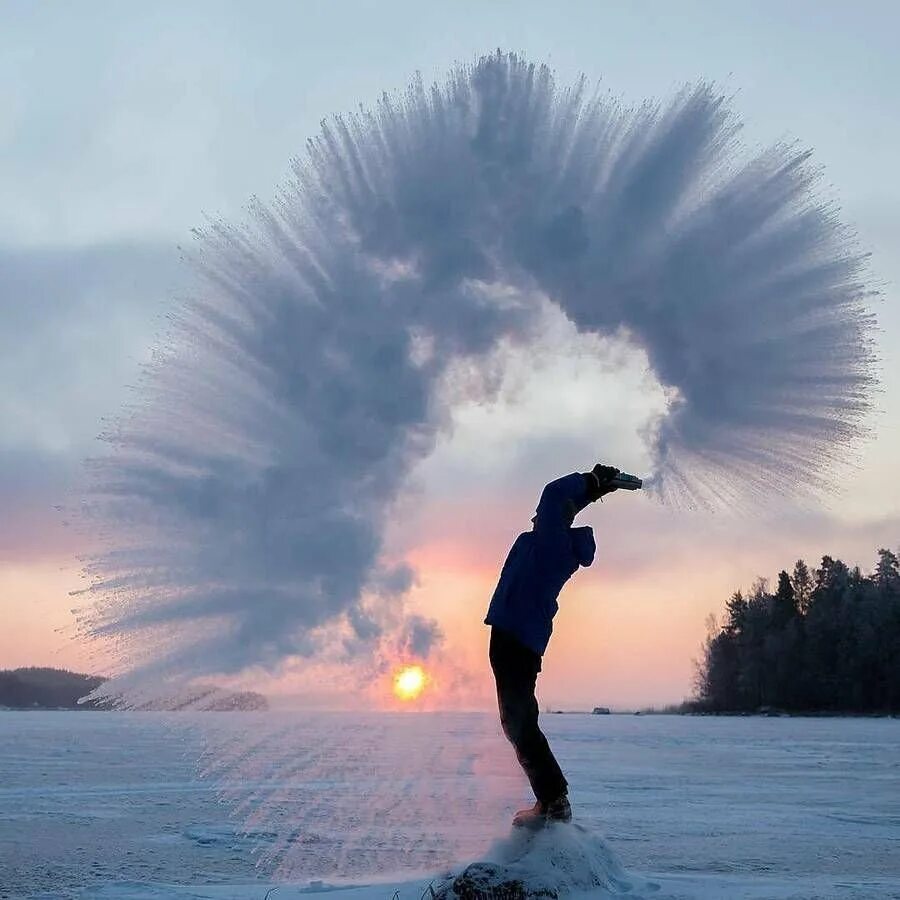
628	628
622	638
626	634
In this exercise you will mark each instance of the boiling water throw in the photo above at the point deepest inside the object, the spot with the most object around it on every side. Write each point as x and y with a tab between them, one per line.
245	496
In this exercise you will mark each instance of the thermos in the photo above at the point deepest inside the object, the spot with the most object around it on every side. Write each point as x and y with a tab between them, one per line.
626	482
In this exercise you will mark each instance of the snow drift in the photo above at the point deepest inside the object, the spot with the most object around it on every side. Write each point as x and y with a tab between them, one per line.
553	862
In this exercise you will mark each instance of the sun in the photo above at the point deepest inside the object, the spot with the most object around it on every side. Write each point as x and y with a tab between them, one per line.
409	682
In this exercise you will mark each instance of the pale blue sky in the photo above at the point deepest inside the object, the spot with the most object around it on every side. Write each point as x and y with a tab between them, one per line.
125	119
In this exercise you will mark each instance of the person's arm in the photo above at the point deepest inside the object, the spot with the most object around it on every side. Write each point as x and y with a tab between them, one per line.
560	501
564	498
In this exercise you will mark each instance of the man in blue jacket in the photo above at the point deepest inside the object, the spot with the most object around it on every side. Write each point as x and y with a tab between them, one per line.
521	615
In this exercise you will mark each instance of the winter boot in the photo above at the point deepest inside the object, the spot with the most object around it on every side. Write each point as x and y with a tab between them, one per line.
540	814
529	818
559	810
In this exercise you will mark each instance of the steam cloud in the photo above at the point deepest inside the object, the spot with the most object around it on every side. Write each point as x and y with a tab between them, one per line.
246	493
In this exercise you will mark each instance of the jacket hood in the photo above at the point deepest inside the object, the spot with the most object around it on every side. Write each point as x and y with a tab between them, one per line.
583	544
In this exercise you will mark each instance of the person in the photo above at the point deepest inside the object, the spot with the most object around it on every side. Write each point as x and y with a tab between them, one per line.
521	615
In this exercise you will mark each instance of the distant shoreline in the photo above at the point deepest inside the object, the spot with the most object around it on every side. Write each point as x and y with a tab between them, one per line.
757	714
641	714
41	689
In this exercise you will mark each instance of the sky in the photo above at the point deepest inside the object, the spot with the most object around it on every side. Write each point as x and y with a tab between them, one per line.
125	126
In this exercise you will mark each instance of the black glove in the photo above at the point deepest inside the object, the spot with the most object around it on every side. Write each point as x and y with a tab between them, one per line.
598	480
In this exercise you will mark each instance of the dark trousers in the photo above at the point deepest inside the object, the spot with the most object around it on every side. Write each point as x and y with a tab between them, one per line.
516	669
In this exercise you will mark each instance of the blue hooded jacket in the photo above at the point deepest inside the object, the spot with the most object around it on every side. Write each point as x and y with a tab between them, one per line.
540	562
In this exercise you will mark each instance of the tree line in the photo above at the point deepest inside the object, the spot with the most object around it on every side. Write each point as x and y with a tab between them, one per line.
42	688
34	687
823	640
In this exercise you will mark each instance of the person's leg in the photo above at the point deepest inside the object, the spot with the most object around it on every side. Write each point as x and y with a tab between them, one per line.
515	671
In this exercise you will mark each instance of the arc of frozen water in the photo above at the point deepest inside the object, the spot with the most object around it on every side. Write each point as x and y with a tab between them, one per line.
246	493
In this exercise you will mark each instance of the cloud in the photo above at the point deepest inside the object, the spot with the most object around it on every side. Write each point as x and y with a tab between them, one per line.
32	487
420	636
74	326
319	358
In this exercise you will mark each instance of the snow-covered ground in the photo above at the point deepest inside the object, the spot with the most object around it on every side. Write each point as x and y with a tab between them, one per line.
226	806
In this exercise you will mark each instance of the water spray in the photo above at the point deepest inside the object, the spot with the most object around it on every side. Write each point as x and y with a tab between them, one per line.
247	493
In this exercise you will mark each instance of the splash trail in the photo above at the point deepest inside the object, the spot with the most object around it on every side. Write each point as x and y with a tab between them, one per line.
245	495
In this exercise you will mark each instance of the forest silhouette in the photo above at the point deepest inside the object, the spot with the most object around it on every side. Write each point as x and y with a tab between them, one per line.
826	640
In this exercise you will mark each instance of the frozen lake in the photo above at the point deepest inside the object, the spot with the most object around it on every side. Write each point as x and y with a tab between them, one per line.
121	806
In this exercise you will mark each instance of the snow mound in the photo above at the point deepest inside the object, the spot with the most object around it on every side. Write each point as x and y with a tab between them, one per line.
557	860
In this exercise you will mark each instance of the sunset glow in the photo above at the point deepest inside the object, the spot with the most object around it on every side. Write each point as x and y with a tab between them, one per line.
369	489
409	682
